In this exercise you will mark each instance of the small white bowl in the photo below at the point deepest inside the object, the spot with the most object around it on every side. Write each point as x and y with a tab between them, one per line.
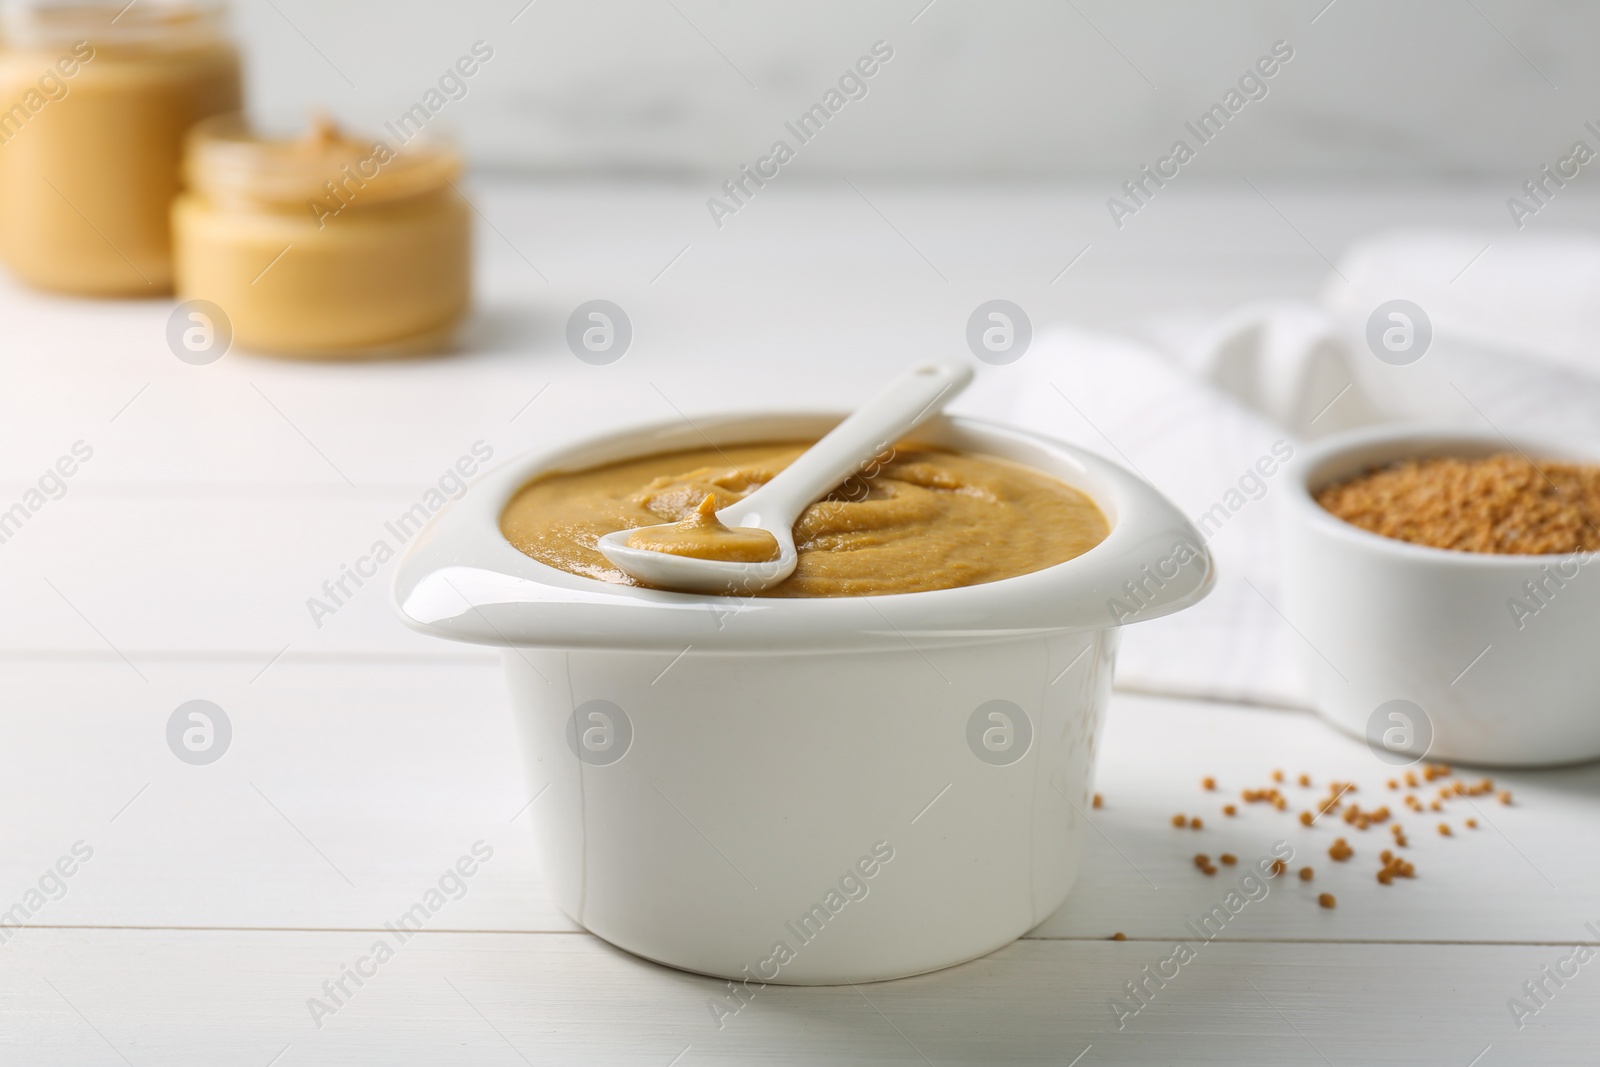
1422	651
806	791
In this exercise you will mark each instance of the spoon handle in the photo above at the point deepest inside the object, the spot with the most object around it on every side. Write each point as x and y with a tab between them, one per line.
851	446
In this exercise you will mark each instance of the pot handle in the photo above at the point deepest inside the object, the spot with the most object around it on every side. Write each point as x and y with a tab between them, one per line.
1153	563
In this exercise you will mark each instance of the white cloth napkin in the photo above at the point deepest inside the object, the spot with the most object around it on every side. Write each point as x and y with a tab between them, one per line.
1126	401
1515	324
1522	293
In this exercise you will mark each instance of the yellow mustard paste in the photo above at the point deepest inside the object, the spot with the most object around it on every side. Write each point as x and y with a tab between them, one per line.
326	246
95	100
924	519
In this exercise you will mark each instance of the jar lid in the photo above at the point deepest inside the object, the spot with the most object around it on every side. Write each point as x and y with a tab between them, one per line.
144	23
228	161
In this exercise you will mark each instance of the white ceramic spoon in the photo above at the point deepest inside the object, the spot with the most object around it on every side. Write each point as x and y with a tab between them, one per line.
848	448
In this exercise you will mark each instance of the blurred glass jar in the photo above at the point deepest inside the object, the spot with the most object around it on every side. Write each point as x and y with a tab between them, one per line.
95	100
324	246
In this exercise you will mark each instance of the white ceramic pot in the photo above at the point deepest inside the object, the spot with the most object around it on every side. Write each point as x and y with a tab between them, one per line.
807	790
1424	651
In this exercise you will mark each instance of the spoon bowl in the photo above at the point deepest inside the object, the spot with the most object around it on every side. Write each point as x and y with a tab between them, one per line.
690	574
865	436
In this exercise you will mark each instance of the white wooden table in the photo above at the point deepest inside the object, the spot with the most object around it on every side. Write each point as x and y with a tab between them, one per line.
365	759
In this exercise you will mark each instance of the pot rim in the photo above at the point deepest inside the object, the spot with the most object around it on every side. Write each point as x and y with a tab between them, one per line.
462	580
